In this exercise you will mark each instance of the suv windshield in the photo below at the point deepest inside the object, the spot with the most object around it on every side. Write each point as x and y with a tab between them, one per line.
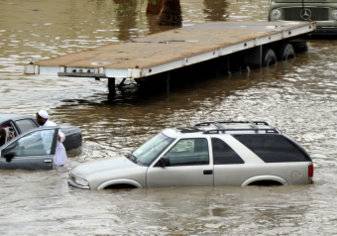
146	153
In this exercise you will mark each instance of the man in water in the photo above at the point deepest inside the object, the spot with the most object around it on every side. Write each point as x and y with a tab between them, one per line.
60	157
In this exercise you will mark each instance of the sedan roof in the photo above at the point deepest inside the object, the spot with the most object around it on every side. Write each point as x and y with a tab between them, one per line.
4	117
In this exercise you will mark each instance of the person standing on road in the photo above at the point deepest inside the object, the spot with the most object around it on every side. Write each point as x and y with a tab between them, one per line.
60	157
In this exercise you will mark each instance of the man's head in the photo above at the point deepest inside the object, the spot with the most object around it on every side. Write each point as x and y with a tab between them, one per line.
41	117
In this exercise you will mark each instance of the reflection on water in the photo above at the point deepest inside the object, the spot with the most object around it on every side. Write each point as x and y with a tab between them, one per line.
216	10
170	13
298	96
126	14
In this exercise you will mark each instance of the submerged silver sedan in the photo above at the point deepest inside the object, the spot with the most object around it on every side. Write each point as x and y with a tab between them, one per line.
210	153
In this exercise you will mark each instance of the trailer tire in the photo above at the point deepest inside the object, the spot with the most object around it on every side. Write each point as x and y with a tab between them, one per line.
269	58
286	52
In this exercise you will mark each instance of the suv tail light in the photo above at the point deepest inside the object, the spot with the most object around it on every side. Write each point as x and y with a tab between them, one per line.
311	170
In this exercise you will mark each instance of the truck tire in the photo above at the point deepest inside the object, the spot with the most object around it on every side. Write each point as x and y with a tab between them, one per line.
269	58
286	52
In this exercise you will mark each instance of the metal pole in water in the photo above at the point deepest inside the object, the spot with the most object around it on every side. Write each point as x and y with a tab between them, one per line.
168	84
111	88
228	66
260	56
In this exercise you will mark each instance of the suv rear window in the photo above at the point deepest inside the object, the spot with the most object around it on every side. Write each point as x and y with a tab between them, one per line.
273	148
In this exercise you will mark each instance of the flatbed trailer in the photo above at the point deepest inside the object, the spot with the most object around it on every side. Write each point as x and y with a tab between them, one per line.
171	50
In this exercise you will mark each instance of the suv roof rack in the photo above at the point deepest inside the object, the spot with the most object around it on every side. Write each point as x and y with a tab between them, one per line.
252	126
189	130
231	122
256	130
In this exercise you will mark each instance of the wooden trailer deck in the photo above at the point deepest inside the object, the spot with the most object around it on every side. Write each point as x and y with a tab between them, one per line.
170	50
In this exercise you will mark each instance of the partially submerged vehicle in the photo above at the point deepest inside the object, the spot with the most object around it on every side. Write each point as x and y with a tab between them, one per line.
23	144
323	12
210	153
20	124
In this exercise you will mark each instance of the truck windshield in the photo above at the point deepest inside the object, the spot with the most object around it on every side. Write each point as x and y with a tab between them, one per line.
146	153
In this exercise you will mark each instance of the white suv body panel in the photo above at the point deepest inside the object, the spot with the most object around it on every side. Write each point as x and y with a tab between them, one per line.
179	176
242	174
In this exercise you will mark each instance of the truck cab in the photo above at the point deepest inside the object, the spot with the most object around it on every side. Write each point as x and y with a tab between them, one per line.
323	12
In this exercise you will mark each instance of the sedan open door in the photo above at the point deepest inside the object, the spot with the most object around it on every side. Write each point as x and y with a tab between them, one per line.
32	150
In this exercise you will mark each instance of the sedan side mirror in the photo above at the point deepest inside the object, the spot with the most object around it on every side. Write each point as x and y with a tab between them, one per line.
9	156
163	162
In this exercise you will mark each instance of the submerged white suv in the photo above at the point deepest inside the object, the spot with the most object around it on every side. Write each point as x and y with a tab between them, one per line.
210	153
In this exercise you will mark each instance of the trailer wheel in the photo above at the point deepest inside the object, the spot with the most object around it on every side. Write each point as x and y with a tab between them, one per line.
269	58
286	52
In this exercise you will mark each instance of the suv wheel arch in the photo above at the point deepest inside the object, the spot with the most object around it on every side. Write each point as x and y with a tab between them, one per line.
266	178
119	182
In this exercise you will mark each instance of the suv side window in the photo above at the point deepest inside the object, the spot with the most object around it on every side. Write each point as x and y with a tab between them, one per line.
192	151
224	154
273	148
25	125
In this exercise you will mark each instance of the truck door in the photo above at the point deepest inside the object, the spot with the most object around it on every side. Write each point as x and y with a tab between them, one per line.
187	163
34	150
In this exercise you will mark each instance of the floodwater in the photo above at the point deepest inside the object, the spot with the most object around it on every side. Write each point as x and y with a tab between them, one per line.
298	96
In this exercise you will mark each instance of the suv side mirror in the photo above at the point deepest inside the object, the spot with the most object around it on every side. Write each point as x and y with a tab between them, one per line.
163	162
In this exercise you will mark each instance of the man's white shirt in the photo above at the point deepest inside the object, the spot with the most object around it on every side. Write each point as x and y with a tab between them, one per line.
60	157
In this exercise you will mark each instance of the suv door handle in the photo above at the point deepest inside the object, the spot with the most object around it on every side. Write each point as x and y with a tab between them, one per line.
208	172
47	161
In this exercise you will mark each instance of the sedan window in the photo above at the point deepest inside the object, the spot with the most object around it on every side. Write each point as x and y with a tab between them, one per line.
146	153
189	152
10	130
38	143
25	125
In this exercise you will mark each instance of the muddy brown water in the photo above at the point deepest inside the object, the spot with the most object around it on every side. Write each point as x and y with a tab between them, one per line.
298	96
